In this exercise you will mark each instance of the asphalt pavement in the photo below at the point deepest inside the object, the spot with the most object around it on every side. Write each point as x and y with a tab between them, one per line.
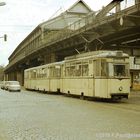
29	115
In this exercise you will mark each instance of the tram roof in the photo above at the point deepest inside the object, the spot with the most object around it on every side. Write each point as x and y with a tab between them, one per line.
42	66
99	54
93	54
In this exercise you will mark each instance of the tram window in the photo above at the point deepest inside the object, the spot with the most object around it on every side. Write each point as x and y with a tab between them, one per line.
111	70
41	73
127	70
72	71
85	69
44	72
51	70
38	73
33	74
103	68
119	70
55	71
78	69
67	71
27	75
98	67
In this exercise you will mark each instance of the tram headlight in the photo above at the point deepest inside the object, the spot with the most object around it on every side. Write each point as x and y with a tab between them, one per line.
120	88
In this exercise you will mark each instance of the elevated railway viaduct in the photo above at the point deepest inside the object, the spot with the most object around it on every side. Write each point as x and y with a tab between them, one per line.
95	31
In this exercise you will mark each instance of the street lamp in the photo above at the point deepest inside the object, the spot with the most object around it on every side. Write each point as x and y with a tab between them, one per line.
5	36
2	3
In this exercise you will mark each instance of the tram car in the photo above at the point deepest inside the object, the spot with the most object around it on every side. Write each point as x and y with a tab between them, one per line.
103	74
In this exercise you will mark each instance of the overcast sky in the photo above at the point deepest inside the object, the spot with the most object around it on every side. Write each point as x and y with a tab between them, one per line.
19	17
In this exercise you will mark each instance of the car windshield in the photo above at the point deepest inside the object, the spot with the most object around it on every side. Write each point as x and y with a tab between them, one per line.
14	83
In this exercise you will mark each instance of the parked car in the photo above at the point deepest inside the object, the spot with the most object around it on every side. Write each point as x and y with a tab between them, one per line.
12	86
2	84
6	85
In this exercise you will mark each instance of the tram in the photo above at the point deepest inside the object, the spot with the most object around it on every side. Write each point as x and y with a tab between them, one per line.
102	74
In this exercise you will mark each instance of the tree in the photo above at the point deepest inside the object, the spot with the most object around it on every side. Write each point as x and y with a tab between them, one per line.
1	72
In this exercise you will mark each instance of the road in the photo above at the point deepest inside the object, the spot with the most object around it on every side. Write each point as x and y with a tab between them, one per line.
29	115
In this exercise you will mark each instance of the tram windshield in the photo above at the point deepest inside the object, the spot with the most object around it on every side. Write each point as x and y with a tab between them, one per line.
118	70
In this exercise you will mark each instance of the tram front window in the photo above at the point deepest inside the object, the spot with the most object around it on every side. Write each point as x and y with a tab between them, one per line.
119	70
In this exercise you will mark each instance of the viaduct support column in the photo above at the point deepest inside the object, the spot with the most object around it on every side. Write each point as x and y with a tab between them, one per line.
50	58
11	76
20	75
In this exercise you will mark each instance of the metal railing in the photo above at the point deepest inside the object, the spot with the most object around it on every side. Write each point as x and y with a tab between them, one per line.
75	28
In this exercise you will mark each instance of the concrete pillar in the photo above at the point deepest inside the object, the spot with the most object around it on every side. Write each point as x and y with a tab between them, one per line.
50	58
5	77
10	76
19	76
53	57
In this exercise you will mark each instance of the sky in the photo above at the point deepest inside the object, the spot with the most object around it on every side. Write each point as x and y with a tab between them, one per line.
19	17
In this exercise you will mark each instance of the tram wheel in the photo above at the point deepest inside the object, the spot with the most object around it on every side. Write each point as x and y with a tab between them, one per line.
82	96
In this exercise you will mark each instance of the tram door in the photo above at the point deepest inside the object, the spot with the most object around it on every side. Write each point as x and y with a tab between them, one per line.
101	80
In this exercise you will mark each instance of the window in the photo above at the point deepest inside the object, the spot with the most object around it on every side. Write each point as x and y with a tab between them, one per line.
43	72
119	70
70	69
98	68
85	69
27	75
67	71
55	71
111	70
33	74
103	68
76	69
